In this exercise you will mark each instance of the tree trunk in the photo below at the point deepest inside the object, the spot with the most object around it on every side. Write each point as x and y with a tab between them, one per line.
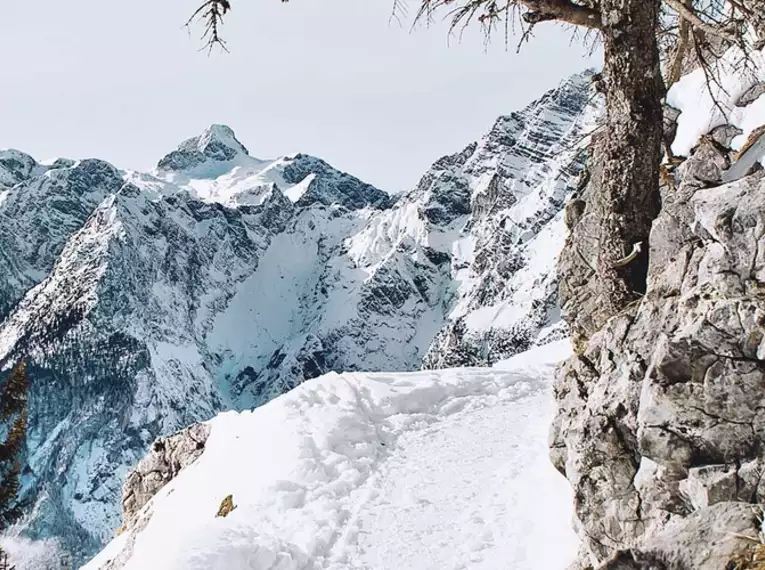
625	195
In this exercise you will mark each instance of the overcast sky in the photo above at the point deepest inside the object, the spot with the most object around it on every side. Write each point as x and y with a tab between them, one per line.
122	80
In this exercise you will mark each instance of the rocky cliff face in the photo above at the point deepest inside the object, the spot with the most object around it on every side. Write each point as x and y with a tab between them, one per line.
144	303
513	184
660	427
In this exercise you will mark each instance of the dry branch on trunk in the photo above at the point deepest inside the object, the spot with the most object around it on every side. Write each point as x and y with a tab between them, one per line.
688	14
561	11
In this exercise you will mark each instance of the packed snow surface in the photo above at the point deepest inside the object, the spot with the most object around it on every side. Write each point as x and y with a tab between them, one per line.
441	470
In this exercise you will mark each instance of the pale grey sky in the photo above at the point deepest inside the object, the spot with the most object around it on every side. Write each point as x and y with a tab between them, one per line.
122	80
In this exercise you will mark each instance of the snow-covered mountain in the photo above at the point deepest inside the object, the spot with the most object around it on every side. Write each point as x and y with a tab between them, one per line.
145	302
216	167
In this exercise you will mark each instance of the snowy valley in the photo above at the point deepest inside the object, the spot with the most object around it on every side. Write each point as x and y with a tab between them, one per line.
147	302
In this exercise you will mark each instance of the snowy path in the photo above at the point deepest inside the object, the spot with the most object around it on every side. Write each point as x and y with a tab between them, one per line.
442	470
461	494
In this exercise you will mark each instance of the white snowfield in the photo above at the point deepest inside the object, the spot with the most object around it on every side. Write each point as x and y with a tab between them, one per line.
440	470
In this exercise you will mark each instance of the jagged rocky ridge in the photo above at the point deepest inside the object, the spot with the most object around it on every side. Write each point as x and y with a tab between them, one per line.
148	302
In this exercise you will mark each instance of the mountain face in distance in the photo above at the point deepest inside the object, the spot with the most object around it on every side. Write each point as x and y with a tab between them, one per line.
145	302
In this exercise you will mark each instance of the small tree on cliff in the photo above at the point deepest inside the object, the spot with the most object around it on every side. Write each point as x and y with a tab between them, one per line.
13	415
624	196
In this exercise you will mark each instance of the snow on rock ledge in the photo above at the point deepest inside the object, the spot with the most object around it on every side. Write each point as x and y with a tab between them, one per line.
328	475
740	94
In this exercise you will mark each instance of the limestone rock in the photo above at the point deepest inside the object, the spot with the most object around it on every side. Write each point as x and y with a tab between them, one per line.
710	485
167	457
751	95
661	413
709	538
724	134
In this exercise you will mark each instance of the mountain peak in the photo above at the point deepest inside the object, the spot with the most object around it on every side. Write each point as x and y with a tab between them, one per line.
219	139
224	280
14	166
217	143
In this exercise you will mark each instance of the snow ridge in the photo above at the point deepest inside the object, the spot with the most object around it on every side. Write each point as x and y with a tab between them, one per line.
349	479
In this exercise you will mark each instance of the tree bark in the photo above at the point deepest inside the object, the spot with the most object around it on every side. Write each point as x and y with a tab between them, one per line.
625	196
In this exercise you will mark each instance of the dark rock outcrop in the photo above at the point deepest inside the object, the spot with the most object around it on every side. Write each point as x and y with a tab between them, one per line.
217	144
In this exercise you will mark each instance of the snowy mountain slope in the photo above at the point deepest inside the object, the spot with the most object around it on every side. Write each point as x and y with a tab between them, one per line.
370	471
148	301
399	278
15	166
115	333
492	215
113	338
40	211
307	310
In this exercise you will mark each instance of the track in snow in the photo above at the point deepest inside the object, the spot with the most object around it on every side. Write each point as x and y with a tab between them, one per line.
474	491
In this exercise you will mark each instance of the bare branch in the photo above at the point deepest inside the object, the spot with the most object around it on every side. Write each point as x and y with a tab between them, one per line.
488	12
675	69
711	78
211	13
687	13
561	11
